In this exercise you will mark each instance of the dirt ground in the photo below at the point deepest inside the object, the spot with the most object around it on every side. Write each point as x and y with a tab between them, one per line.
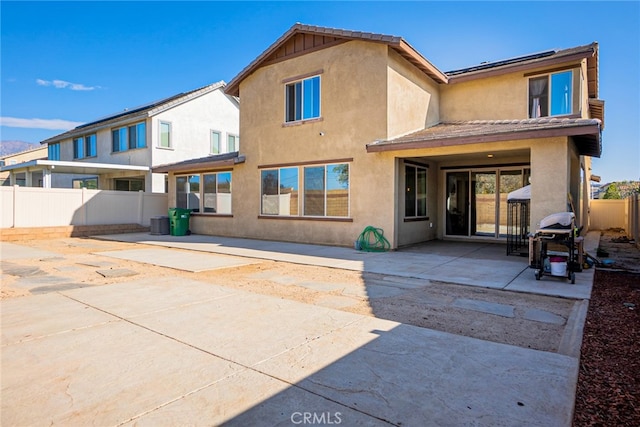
608	392
411	301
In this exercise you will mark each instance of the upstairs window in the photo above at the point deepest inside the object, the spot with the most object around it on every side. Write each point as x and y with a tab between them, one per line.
551	95
302	99
84	146
129	138
233	143
53	151
90	146
215	142
165	135
78	148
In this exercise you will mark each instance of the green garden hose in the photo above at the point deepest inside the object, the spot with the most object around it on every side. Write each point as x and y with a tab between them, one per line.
372	240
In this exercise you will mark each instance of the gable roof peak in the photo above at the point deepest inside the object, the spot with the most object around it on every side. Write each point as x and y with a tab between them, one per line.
291	43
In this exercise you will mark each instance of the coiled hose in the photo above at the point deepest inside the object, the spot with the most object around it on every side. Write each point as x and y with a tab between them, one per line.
372	240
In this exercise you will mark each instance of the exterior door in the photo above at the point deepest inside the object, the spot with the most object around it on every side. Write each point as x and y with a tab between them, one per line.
476	201
457	221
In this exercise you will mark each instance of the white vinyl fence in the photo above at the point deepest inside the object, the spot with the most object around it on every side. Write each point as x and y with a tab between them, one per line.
48	207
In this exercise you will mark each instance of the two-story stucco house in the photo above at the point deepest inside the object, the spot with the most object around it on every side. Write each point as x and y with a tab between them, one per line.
343	129
117	152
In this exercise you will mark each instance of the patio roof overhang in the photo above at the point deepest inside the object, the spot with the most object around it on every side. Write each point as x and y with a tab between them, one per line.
203	163
586	134
82	168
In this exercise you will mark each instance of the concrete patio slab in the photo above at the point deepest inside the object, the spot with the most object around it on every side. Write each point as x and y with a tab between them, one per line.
543	316
157	350
26	319
554	286
498	309
247	328
253	399
179	260
149	295
413	376
117	272
10	251
468	263
101	375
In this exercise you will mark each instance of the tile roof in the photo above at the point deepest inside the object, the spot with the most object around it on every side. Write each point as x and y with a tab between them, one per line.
586	133
146	110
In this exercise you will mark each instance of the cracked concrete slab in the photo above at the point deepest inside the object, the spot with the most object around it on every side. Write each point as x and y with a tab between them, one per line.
178	259
20	270
117	272
498	309
543	316
15	251
187	349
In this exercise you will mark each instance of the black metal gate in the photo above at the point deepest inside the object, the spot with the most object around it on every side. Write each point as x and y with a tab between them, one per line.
518	227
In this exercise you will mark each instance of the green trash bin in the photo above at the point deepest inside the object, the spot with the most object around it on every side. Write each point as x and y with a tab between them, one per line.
179	221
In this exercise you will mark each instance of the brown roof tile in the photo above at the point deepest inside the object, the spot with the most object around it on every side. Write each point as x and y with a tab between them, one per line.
585	131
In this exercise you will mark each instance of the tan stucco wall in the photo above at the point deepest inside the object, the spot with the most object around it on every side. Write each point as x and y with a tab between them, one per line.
413	98
503	97
550	175
356	80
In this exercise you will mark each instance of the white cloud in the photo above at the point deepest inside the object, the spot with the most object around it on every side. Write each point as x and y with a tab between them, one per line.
51	124
61	84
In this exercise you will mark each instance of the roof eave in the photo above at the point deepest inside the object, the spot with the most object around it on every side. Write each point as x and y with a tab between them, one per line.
588	130
397	43
524	66
205	164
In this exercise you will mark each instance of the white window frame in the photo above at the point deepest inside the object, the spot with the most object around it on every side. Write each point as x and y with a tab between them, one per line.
301	81
219	134
236	142
162	123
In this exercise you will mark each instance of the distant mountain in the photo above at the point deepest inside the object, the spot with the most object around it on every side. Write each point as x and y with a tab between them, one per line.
10	147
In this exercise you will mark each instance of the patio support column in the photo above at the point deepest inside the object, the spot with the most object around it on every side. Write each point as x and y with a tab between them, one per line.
27	178
550	172
46	178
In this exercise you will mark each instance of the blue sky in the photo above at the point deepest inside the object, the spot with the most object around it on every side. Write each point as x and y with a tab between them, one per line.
66	63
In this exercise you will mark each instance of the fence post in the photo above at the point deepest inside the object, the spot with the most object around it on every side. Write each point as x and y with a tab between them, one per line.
85	209
15	205
140	206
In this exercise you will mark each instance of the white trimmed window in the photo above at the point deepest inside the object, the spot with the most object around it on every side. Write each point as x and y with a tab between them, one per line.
233	143
302	99
215	142
551	95
164	139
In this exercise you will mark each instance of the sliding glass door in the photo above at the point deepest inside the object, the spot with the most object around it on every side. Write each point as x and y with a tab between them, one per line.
483	204
476	200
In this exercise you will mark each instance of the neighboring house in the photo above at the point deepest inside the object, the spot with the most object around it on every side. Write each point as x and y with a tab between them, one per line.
118	151
19	158
343	130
